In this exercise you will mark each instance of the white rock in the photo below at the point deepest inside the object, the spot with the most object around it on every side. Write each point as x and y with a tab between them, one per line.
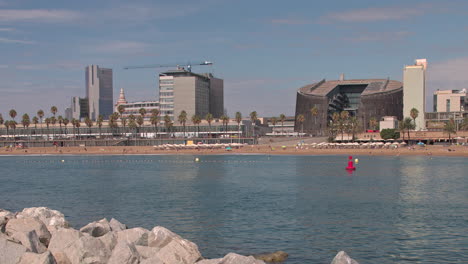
153	260
343	258
124	253
33	258
232	258
116	225
4	217
10	252
63	238
51	218
31	241
136	236
97	229
26	225
87	250
109	240
147	252
173	248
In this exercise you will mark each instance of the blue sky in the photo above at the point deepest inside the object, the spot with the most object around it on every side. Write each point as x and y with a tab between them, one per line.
264	50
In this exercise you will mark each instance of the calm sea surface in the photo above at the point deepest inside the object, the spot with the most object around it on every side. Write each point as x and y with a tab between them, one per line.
391	210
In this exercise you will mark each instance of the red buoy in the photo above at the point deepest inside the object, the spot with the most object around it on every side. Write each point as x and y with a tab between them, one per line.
350	164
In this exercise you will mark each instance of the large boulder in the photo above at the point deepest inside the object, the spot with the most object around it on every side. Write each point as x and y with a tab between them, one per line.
147	252
116	225
278	256
232	258
153	260
173	248
87	250
97	229
136	236
33	258
53	219
109	240
343	258
31	241
124	253
62	239
26	225
10	251
4	217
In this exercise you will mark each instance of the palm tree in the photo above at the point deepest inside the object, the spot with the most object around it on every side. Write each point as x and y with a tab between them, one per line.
196	120
53	120
450	128
238	119
401	128
167	124
99	122
274	121
353	126
335	124
182	118
12	124
7	126
209	118
65	124
47	121
35	121
282	118
13	114
73	123
1	119
60	121
300	119
77	125
464	124
343	122
414	114
120	111
132	122
25	121
253	118
53	110
225	120
155	119
40	114
140	121
89	123
408	125
314	112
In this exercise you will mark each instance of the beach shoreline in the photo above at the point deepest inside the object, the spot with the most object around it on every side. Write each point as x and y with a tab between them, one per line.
455	151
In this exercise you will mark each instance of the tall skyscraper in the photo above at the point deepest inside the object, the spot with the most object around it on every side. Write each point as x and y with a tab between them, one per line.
198	94
414	91
99	91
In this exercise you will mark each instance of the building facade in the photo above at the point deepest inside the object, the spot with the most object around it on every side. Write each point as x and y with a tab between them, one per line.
450	101
99	91
133	108
414	91
362	98
79	108
197	94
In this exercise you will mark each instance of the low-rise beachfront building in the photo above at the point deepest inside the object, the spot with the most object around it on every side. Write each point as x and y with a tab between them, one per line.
133	108
388	122
285	128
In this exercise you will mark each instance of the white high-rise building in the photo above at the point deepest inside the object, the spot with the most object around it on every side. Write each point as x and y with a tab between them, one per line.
414	91
99	91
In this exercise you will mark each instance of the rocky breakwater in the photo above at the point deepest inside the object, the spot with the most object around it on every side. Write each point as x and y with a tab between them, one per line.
40	235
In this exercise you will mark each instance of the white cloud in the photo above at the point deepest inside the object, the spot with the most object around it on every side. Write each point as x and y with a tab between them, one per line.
17	41
37	15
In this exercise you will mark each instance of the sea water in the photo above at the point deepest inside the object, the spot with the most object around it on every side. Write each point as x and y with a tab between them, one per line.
390	210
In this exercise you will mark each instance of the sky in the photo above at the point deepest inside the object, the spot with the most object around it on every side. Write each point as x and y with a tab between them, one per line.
264	50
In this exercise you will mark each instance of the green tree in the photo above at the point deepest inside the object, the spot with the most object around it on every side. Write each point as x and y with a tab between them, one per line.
414	114
12	124
253	118
53	121
168	124
60	121
123	120
464	124
99	122
47	122
353	126
238	119
182	118
300	119
132	123
35	121
53	110
314	112
25	121
65	124
7	126
209	118
225	120
77	125
142	112
282	118
343	122
73	123
89	123
389	134
40	114
408	124
196	120
13	114
140	122
450	128
1	119
155	119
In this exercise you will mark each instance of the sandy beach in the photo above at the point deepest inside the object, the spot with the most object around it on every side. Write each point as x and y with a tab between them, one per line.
458	151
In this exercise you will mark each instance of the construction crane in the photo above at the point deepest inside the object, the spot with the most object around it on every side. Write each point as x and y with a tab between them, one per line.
188	65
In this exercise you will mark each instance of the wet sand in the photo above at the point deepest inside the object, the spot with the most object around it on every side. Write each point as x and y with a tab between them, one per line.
459	151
